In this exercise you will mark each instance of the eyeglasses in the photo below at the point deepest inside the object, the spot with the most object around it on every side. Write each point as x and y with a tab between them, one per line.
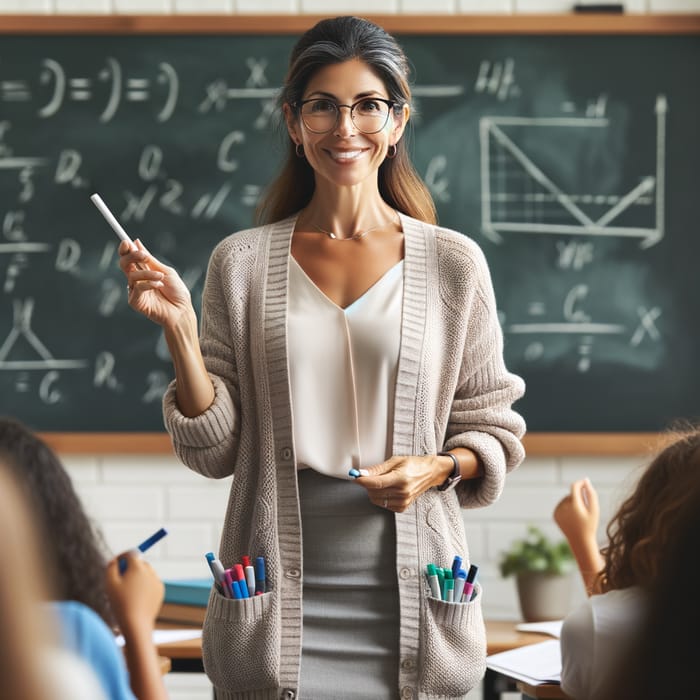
369	115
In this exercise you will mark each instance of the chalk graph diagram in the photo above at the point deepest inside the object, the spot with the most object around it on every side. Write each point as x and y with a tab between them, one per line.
520	195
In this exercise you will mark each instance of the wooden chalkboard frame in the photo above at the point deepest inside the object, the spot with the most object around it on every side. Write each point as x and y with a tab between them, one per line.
536	444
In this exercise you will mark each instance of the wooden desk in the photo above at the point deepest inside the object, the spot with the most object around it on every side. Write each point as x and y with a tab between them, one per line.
185	655
546	690
501	635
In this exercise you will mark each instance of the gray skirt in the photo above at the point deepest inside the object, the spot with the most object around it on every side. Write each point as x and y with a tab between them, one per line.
351	606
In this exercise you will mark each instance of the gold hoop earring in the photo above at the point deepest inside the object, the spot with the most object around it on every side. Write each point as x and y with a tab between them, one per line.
299	150
391	151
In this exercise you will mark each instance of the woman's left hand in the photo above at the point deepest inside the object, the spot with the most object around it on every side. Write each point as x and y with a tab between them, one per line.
396	483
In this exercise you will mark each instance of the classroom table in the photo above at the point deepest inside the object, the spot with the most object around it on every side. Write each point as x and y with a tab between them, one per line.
501	635
548	691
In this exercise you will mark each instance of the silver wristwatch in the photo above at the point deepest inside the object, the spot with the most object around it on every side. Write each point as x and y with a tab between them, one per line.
454	477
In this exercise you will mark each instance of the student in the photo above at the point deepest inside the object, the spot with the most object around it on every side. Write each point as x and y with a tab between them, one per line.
348	332
73	537
88	591
619	579
662	660
33	664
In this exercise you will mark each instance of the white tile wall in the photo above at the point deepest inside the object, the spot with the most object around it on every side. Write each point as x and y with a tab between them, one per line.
82	7
129	497
327	8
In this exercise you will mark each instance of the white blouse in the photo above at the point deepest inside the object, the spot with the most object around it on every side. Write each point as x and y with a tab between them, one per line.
595	637
342	368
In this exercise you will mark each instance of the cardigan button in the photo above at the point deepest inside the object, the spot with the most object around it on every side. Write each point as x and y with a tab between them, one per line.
292	573
287	453
288	694
406	692
408	664
405	573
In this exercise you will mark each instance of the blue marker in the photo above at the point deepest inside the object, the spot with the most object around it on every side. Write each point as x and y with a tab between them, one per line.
236	590
456	565
259	575
146	544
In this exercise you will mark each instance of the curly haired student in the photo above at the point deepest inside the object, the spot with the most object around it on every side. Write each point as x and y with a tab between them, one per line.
620	577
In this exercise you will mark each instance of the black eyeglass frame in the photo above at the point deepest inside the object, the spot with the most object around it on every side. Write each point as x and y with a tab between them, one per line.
391	104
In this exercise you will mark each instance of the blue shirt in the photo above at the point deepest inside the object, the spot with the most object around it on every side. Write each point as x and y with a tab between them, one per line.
85	632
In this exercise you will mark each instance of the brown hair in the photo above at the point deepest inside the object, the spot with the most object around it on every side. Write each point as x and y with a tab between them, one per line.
335	41
648	521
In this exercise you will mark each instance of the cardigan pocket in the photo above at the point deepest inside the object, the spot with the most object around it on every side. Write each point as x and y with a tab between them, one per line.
453	646
240	644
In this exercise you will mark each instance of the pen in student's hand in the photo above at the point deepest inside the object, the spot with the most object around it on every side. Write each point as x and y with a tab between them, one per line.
146	544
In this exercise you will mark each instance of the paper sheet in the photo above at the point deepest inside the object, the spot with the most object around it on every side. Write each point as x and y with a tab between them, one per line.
551	627
166	636
534	663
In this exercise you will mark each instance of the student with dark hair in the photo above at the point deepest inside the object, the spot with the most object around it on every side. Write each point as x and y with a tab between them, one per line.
88	592
620	577
33	664
76	549
346	336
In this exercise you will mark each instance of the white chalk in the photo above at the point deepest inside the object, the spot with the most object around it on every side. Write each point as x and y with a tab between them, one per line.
111	220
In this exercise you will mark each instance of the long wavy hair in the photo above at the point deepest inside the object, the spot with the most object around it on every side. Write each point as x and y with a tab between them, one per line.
647	522
72	546
333	41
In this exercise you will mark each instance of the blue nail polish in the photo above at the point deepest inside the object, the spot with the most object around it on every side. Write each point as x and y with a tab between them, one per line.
354	473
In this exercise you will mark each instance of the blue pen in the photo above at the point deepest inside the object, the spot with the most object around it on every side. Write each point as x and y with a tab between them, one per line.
259	575
146	544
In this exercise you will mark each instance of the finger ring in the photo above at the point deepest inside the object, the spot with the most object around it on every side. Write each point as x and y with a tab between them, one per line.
386	502
128	289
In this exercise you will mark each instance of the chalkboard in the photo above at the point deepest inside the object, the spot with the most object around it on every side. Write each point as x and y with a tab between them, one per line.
571	158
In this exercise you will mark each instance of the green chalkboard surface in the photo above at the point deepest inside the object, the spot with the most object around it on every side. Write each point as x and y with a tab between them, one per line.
572	159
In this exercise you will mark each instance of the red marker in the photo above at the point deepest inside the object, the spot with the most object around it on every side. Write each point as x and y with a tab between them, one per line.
239	575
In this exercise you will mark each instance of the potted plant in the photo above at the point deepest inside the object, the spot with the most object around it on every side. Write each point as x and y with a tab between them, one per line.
543	571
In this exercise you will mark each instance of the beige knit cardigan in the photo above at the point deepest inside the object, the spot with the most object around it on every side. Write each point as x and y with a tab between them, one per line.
452	390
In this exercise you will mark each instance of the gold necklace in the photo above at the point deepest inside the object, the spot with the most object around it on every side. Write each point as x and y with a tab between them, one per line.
355	236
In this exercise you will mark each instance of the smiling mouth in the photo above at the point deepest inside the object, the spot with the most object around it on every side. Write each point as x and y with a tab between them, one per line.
345	156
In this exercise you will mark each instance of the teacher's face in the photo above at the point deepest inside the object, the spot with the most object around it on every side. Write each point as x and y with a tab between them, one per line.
345	156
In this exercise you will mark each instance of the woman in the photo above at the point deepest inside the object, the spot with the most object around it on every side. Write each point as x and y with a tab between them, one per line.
596	636
346	332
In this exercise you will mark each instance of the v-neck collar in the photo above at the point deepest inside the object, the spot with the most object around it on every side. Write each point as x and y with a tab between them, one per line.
372	289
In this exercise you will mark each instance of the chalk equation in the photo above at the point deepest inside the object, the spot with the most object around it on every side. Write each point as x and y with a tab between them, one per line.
565	174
